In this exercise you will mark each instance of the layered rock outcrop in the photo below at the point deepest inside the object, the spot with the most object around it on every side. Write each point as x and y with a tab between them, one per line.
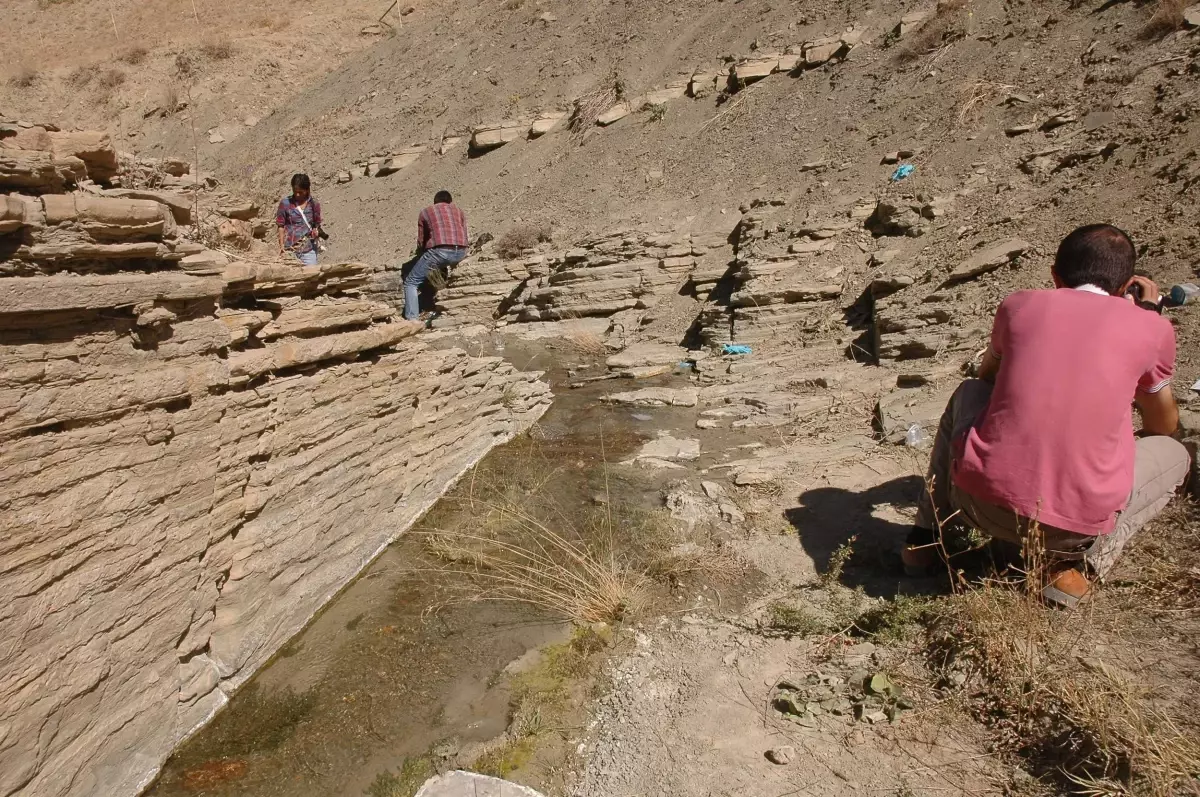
195	454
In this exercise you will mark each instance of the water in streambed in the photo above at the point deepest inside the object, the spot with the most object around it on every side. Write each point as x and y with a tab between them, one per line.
394	666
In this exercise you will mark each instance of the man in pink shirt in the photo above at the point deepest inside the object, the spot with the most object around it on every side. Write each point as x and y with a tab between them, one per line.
1045	434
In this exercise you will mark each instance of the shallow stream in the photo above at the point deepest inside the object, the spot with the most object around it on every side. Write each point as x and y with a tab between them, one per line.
396	666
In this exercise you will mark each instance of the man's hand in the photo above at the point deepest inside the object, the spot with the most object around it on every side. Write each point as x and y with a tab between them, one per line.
988	367
1146	287
1160	413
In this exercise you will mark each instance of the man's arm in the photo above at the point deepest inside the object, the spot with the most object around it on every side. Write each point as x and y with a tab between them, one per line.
422	232
281	223
1160	413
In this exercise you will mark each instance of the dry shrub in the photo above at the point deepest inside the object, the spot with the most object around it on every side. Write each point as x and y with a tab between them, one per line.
521	239
134	55
272	22
80	76
25	78
185	65
110	79
1167	18
945	26
587	108
513	5
217	49
170	99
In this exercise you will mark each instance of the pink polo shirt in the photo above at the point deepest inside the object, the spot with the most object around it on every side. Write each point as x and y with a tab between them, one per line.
1055	442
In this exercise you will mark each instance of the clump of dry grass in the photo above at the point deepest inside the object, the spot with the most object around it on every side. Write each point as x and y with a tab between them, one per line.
945	26
25	78
217	49
586	343
1036	681
135	55
513	5
588	107
1167	18
521	239
518	558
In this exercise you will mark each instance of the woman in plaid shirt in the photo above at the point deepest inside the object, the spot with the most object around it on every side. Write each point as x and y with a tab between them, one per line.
299	220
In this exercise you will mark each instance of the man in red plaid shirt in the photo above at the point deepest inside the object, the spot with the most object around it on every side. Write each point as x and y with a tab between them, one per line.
441	241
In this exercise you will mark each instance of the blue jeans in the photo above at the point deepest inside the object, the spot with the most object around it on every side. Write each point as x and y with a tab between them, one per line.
308	258
428	261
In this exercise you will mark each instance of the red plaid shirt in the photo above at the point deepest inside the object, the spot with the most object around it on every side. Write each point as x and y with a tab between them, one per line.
441	224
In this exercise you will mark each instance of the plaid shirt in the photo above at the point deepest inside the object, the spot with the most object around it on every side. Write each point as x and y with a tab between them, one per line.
298	237
441	224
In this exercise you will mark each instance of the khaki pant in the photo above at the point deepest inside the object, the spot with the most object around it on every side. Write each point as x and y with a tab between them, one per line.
1161	464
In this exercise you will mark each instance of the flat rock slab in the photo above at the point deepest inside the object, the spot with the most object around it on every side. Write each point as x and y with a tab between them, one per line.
988	259
469	784
643	354
656	397
665	451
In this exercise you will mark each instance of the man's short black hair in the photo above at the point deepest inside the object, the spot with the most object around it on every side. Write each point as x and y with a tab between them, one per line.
301	181
1096	254
442	198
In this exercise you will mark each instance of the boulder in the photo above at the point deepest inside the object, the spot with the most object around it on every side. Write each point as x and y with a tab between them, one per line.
236	233
243	211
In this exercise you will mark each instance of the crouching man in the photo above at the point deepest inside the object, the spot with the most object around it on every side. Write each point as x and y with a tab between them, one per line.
1043	440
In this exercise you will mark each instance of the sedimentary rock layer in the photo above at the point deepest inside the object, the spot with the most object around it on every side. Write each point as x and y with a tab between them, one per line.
190	466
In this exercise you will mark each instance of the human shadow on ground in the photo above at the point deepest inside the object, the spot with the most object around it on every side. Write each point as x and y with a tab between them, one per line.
829	517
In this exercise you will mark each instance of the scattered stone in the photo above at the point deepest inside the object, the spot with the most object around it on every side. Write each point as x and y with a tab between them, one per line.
747	477
812	166
782	755
215	137
896	217
344	177
1058	120
910	22
1191	16
892	158
1019	130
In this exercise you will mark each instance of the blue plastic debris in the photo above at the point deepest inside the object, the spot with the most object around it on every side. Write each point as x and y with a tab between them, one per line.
686	364
735	348
902	171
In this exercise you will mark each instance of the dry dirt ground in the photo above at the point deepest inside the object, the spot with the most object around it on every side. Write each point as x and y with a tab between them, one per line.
686	708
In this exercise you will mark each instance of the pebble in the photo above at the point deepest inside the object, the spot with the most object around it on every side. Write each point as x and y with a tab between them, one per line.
782	755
